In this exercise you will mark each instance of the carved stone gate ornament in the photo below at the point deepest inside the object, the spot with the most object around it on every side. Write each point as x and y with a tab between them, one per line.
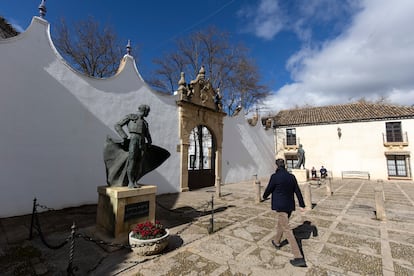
199	104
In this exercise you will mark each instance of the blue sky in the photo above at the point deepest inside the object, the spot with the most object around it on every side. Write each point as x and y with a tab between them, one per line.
309	52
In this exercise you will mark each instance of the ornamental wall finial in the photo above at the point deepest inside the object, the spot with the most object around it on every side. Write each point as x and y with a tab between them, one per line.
181	81
128	47
182	85
42	9
202	73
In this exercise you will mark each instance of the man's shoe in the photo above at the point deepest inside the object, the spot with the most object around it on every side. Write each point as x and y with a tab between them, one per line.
276	245
299	262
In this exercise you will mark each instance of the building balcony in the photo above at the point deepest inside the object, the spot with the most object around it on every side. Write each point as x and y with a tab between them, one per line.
291	144
395	141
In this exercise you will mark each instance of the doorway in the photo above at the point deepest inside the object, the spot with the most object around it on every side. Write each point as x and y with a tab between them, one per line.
201	158
201	122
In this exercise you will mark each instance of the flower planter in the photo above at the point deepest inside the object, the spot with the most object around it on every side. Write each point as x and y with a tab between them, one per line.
149	247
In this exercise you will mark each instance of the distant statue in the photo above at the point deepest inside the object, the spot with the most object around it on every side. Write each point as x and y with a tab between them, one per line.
129	160
301	157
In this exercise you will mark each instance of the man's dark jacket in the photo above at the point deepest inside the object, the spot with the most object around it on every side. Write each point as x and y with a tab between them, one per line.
283	185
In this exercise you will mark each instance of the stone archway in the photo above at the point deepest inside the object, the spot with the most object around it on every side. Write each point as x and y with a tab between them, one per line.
199	105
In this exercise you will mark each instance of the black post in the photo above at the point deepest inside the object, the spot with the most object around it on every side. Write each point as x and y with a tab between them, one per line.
212	215
33	215
69	270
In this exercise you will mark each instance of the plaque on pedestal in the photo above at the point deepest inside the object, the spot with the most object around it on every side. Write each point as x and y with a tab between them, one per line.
120	208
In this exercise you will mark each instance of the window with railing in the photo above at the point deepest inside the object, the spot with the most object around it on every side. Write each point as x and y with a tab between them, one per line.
394	132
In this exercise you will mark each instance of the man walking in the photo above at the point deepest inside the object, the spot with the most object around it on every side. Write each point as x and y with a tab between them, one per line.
283	186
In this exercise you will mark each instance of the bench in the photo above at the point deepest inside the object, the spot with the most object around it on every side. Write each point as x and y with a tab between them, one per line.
355	174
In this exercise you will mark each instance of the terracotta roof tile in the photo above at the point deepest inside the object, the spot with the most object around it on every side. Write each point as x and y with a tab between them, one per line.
353	112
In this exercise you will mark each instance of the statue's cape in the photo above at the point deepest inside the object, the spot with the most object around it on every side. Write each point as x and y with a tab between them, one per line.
116	159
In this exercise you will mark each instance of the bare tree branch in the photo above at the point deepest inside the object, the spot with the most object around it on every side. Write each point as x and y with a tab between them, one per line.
90	49
228	67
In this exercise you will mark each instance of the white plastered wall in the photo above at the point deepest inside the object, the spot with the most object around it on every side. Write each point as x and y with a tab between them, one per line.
360	147
247	151
54	122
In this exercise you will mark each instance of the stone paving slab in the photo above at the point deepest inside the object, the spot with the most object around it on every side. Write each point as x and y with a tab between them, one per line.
349	240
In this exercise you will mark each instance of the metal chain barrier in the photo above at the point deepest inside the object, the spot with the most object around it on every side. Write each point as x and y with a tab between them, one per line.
110	244
45	207
36	225
100	242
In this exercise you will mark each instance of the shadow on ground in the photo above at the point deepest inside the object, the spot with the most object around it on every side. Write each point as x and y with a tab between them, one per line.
182	215
304	232
20	255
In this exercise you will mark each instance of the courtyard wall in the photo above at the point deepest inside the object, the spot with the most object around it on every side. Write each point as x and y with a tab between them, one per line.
54	122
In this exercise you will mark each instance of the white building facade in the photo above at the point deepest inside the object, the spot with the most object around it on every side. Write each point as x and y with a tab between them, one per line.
373	138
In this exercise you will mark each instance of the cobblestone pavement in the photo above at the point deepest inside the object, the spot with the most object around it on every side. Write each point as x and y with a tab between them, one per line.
339	236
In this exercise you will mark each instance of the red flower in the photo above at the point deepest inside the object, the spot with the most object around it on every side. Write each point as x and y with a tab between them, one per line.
147	230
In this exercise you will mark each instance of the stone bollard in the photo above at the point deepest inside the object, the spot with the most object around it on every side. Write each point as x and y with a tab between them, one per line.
258	191
379	201
329	190
307	196
218	187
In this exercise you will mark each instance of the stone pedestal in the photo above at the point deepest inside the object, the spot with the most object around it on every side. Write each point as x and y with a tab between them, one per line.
301	175
120	208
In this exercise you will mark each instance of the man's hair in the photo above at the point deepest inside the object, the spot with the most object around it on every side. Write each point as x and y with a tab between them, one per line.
280	163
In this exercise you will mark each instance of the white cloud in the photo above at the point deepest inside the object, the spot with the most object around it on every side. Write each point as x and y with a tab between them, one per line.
266	20
270	17
373	58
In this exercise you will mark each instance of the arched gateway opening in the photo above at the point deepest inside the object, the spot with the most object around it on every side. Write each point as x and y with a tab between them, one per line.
201	157
201	133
